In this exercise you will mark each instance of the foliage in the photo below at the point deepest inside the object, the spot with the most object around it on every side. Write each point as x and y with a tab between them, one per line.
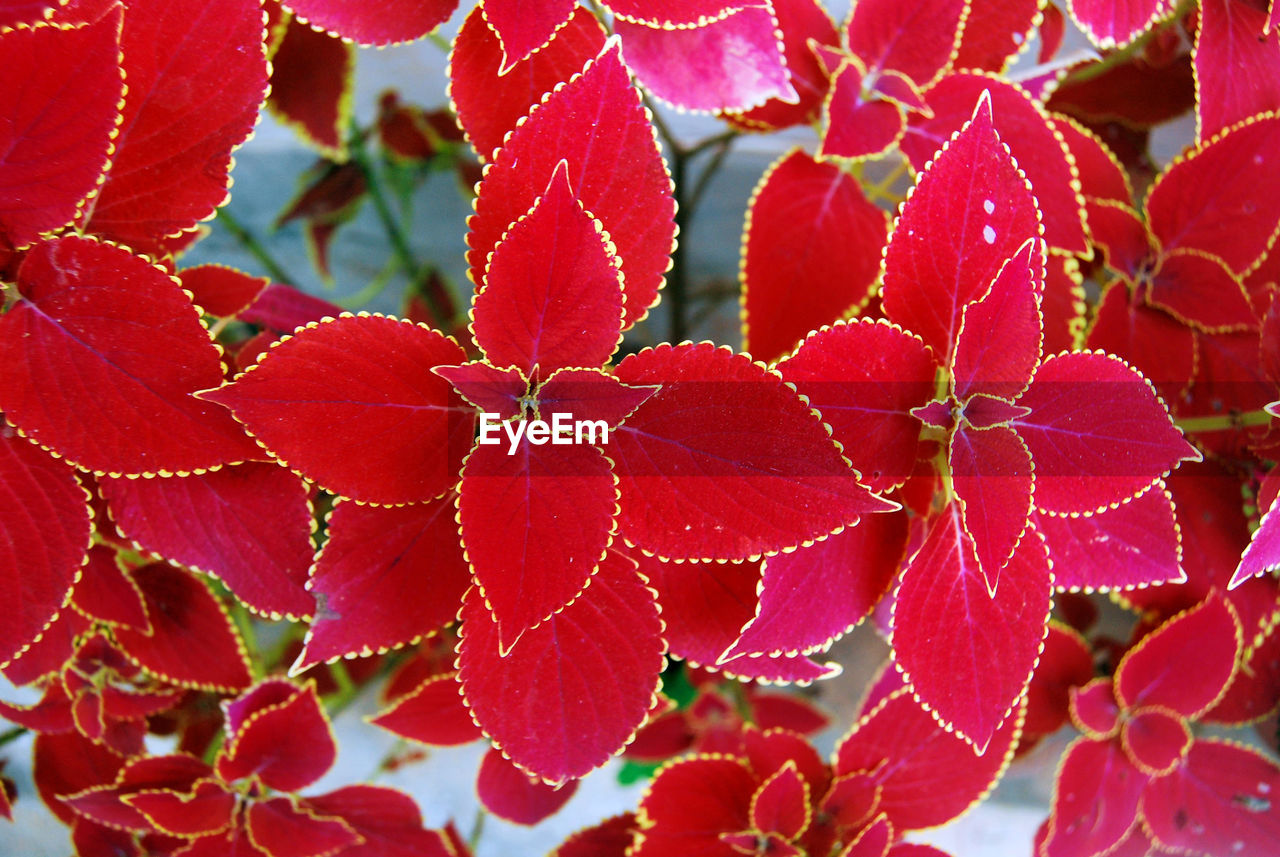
999	366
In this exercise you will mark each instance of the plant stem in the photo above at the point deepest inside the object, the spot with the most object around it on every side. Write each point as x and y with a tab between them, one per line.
677	278
477	829
244	624
1223	422
12	734
1123	55
251	243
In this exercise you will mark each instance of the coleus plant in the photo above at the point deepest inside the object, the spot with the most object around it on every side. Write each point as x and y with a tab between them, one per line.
969	418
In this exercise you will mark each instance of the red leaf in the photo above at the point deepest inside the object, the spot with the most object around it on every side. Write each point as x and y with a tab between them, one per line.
388	820
1221	800
402	430
1134	545
491	390
1153	342
810	252
285	742
1000	354
598	125
312	82
1065	662
725	461
249	526
801	22
688	12
560	502
62	91
521	30
968	654
916	38
192	642
704	605
385	578
610	838
1095	799
513	795
70	763
490	102
1199	290
173	154
220	290
815	595
1097	433
552	294
992	473
282	308
102	353
1204	642
282	829
575	689
926	776
781	804
591	394
105	593
690	803
873	841
1237	70
206	809
1115	23
734	63
432	713
383	24
991	41
1263	553
53	714
54	648
865	377
1101	175
947	247
1255	691
1223	198
1025	127
858	128
1155	740
45	532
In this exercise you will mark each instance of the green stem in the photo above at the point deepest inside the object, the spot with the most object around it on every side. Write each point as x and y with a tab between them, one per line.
677	289
1223	422
721	139
707	174
251	243
13	734
1123	55
244	624
477	829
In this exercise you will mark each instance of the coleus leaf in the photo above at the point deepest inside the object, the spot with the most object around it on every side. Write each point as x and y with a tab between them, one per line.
723	443
192	641
932	269
1200	291
1151	340
1065	662
992	40
810	252
432	713
560	503
520	30
1025	127
403	431
138	350
1116	23
918	39
173	153
512	795
610	838
50	651
858	126
553	293
386	23
781	804
865	377
490	102
1097	433
1204	641
1220	800
1263	553
46	533
1224	197
1095	799
220	290
573	690
691	803
205	809
690	13
591	394
926	776
733	63
62	90
280	828
993	476
388	820
248	525
1237	70
385	578
968	653
312	83
595	123
282	737
815	595
1101	175
69	763
105	593
1135	544
1155	739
